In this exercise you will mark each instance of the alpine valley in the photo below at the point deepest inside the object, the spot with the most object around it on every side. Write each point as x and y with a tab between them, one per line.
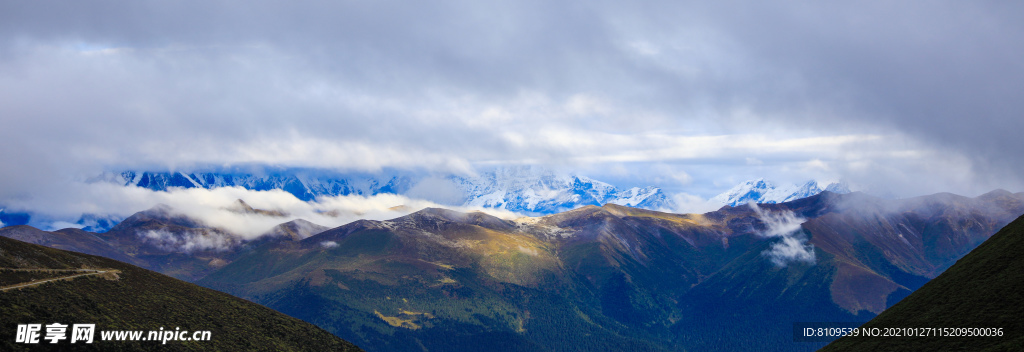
609	277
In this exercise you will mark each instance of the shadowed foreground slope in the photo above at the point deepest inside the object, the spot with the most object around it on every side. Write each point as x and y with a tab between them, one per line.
985	289
139	299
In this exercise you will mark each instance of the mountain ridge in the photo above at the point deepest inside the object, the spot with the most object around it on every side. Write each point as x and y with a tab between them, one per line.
982	290
131	298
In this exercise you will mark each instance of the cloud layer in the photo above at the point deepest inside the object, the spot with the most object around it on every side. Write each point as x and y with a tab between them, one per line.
218	208
906	98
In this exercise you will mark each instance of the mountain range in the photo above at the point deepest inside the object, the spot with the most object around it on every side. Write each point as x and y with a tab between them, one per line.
525	190
583	279
304	186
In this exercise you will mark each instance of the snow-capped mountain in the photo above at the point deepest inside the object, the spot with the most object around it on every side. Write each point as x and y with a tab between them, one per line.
764	192
528	190
538	191
524	189
303	186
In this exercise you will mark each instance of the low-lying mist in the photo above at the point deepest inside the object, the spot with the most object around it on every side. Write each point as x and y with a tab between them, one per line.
219	207
792	246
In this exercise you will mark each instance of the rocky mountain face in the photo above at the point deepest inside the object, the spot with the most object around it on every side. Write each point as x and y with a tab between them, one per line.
584	279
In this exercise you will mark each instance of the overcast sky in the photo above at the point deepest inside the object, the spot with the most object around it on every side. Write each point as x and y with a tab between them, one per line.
906	97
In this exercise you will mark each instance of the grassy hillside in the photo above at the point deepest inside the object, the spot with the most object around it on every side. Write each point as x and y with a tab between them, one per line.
984	289
139	299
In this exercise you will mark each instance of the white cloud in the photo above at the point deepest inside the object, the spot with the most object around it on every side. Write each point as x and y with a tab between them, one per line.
790	250
189	241
779	224
437	189
214	207
791	245
688	203
57	225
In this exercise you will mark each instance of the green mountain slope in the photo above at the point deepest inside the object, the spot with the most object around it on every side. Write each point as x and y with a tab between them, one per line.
984	289
869	254
606	276
436	280
131	298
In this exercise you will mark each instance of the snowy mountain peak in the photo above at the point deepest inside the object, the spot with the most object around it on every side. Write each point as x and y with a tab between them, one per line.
753	190
301	185
765	192
537	191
